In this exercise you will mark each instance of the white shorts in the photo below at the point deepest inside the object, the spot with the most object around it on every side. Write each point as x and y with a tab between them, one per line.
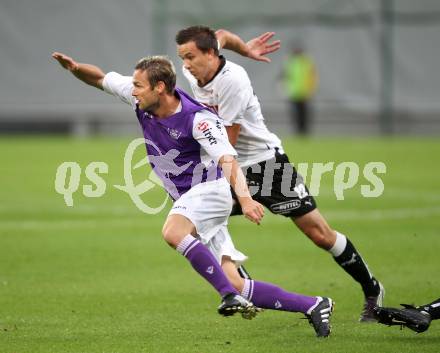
208	206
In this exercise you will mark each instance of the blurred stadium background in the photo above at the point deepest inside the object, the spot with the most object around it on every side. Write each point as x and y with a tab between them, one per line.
377	59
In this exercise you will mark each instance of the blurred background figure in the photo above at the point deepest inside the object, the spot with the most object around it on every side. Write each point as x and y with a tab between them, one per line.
300	81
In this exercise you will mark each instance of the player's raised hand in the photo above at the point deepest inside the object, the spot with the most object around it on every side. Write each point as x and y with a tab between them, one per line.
65	61
260	46
88	73
252	210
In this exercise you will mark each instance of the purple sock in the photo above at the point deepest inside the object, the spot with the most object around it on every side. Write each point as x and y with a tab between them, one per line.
204	262
268	296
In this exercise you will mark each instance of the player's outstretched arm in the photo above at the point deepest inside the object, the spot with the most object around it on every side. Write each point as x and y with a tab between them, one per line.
257	48
90	74
252	209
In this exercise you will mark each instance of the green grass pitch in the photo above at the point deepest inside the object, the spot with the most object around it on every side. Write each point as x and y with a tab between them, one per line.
97	277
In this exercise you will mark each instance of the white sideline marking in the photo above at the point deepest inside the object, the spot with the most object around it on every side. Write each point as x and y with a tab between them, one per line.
393	213
384	214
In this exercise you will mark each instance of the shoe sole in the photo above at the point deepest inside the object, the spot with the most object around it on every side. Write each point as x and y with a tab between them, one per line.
247	312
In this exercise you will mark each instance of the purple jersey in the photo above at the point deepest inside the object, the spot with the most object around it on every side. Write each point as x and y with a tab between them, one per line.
184	148
174	154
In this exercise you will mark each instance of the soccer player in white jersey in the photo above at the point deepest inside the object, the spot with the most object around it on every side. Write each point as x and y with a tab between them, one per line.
195	161
226	87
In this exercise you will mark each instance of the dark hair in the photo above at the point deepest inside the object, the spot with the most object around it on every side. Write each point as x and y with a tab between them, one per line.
158	68
203	36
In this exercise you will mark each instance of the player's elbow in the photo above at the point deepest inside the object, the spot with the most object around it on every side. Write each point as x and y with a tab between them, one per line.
221	36
220	32
233	133
233	140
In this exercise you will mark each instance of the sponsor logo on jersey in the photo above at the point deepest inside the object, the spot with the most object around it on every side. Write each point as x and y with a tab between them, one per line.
203	126
210	270
286	206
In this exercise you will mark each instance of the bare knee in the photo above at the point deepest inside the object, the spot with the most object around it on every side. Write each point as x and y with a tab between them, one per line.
176	227
171	236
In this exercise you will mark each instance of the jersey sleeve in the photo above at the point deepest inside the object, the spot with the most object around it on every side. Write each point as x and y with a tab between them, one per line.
210	133
234	95
119	86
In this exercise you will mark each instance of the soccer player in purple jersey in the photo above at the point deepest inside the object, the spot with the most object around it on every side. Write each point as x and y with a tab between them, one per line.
197	173
225	86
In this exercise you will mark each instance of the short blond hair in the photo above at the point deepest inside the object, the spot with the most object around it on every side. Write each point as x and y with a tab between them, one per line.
158	68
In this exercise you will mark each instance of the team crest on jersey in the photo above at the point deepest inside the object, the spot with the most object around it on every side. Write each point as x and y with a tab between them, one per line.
175	134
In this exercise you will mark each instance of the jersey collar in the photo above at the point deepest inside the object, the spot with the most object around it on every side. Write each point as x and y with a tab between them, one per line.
220	67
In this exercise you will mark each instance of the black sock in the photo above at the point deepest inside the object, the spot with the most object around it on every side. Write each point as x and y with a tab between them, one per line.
352	263
432	309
